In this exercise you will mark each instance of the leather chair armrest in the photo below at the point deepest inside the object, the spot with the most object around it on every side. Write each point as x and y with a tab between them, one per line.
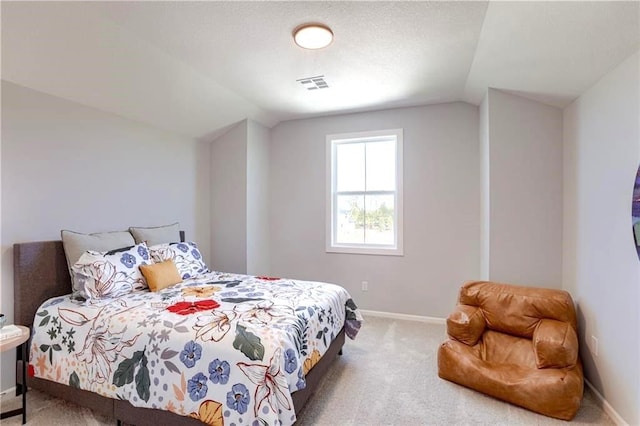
555	344
466	324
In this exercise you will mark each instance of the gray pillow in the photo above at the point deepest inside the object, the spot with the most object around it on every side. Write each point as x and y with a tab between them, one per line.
156	235
75	244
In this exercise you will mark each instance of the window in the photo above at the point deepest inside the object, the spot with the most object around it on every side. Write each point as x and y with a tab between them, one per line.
364	192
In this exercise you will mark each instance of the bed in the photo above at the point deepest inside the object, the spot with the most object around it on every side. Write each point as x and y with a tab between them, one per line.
163	357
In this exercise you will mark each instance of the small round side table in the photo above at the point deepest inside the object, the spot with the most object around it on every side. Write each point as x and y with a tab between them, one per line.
11	343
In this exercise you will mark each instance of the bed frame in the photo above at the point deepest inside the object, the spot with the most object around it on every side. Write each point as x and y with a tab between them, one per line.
40	273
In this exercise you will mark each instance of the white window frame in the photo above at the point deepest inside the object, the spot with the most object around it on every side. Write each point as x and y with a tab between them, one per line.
376	249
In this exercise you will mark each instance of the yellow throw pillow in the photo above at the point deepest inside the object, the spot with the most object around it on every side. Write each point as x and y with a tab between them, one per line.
161	275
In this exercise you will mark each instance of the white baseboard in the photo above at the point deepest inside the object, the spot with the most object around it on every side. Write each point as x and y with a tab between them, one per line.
430	320
606	407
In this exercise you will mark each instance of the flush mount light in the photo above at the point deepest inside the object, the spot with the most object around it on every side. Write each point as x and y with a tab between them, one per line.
312	36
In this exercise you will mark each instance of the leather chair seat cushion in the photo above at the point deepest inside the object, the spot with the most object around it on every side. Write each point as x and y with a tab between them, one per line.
500	348
553	392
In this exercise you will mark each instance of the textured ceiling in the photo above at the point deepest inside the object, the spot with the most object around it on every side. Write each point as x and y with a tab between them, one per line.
196	67
551	51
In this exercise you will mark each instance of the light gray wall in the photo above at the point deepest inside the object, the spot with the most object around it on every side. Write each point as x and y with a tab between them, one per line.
485	190
258	258
203	192
441	221
525	191
240	199
67	166
229	200
601	268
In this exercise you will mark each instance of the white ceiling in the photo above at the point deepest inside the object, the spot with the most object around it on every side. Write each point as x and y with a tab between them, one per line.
197	67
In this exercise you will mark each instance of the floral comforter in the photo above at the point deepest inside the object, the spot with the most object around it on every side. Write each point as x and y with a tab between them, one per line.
222	348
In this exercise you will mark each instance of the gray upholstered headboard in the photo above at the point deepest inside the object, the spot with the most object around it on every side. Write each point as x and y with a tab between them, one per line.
40	272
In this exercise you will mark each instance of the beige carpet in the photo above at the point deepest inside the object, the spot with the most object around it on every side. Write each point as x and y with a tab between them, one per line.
387	376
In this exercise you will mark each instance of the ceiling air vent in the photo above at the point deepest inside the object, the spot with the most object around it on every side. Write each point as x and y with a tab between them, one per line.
314	83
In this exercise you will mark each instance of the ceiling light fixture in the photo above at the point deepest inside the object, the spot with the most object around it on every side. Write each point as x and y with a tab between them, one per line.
312	36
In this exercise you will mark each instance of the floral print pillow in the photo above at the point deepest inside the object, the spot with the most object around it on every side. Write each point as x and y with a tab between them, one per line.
186	256
113	273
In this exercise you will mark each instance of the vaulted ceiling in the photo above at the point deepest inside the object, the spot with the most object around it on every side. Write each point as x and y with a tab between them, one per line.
196	67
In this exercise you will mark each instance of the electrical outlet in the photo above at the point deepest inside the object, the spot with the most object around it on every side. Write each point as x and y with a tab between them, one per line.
365	286
594	345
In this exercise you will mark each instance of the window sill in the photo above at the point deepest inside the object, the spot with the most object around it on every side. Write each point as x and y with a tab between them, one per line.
365	250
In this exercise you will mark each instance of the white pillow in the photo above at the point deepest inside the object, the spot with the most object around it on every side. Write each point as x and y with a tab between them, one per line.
186	256
156	235
113	273
75	244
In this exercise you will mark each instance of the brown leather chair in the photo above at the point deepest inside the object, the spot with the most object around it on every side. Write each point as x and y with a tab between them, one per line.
518	344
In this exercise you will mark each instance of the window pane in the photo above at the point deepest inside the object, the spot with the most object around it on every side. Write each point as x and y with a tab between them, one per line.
381	166
349	219
350	167
379	219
